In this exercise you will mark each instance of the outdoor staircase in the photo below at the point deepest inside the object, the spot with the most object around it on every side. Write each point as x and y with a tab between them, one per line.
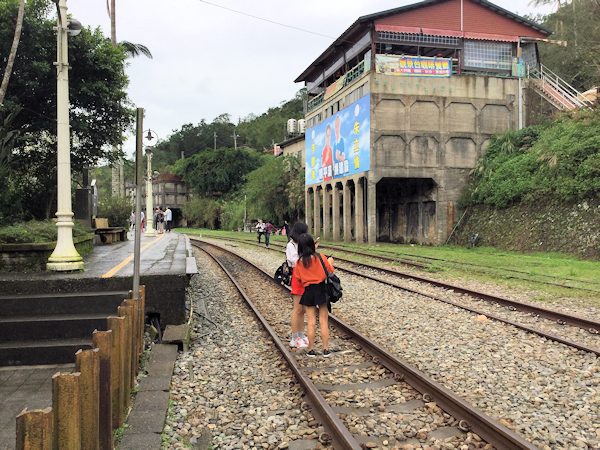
49	328
557	91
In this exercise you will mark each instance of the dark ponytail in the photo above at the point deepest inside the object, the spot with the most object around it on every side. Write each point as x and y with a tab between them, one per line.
306	249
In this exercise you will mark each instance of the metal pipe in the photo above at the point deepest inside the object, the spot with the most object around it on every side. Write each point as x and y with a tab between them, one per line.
139	175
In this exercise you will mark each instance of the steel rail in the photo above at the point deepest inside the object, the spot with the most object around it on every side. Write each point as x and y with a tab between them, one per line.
591	325
341	437
527	328
490	430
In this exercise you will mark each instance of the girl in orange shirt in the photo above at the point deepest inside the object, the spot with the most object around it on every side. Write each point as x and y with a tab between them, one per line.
309	272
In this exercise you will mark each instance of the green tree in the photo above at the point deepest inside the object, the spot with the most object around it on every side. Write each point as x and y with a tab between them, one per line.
13	51
214	173
576	22
99	106
275	190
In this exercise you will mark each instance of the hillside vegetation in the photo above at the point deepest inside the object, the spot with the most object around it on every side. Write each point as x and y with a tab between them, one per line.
538	189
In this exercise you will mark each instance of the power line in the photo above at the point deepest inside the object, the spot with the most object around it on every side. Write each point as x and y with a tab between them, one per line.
267	20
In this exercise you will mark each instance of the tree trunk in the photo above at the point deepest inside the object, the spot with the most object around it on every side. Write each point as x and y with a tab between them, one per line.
13	52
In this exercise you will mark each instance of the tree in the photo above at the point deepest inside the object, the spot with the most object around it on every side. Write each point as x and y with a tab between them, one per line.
13	51
577	23
99	105
276	190
214	173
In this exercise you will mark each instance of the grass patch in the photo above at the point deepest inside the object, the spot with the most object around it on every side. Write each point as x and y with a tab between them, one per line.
34	232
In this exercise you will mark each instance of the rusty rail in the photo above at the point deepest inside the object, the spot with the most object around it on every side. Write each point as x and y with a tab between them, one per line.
88	404
493	432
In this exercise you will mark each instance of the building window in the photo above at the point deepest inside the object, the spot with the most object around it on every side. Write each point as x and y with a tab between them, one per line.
488	55
530	56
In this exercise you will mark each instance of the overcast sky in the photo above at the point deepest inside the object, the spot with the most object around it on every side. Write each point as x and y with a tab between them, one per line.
208	60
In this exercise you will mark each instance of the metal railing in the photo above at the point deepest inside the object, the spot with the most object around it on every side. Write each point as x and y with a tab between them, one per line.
352	75
557	90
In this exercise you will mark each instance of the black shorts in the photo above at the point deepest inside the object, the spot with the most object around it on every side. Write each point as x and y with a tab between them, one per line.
314	295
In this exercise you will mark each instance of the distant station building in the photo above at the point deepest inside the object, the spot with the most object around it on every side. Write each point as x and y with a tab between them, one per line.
168	190
400	108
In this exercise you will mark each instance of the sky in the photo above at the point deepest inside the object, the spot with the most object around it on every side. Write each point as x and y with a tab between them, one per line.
208	60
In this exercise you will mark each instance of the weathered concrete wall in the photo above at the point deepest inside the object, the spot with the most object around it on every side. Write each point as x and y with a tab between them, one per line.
437	128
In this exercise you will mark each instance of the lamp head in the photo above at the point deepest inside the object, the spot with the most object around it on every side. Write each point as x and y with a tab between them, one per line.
74	27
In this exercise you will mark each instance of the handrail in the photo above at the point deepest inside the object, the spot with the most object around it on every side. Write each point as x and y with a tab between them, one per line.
568	96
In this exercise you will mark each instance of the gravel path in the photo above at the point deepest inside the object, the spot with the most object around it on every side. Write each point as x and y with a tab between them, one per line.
566	331
232	389
545	391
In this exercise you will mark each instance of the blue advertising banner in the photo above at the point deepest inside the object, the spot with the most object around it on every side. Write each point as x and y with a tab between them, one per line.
340	145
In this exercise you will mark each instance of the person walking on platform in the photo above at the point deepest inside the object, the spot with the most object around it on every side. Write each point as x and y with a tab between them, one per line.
168	219
161	221
310	274
156	218
269	228
298	339
143	222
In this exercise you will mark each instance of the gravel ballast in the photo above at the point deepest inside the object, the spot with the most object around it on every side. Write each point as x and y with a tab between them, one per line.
547	392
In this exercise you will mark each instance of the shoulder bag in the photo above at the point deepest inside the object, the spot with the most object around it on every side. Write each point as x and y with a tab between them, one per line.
332	283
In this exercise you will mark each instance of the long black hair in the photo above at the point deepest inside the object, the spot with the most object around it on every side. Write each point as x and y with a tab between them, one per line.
306	248
297	229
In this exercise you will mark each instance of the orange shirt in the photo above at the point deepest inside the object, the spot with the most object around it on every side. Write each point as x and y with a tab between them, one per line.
312	274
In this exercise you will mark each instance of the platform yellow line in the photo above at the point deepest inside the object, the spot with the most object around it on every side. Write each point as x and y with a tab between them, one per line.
112	272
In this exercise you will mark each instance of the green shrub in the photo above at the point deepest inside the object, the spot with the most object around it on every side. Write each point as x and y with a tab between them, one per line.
232	215
35	232
116	209
558	161
202	212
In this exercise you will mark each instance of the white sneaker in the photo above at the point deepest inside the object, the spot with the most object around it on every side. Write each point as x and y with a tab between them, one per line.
293	343
300	343
305	340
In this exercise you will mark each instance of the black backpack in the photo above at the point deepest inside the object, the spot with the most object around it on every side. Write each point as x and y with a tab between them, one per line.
332	284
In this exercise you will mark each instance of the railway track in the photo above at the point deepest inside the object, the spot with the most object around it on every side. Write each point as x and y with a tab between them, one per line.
359	365
426	262
592	286
558	327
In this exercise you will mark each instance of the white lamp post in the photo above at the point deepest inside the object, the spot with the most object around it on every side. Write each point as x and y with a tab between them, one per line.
150	232
149	140
64	257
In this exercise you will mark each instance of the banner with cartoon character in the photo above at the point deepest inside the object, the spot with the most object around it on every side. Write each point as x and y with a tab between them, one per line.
340	145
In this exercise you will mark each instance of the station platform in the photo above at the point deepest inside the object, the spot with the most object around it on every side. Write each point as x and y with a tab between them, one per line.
166	265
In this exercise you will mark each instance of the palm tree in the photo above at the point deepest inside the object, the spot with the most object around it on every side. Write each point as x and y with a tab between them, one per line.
132	50
13	52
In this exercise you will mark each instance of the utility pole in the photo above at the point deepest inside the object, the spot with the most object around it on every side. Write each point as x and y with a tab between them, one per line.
214	140
235	136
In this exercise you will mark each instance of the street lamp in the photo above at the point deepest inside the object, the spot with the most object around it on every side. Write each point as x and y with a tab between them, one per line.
150	139
64	257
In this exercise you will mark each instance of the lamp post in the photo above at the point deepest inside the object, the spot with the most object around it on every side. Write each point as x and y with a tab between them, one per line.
149	196
150	139
64	257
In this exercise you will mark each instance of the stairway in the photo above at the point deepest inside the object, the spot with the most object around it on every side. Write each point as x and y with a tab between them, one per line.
49	328
557	91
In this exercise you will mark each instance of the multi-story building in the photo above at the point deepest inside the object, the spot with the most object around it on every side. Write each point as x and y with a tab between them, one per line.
401	106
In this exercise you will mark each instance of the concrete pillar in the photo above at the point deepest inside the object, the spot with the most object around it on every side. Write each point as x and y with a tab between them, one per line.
308	209
347	212
335	206
359	212
316	212
326	213
372	212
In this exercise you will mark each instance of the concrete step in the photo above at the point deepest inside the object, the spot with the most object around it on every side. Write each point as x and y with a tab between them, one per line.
30	352
61	303
38	327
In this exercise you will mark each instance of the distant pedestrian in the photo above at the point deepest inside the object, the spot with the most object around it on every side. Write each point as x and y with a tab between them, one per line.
143	221
168	219
269	229
132	221
161	221
285	229
156	218
260	230
309	272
